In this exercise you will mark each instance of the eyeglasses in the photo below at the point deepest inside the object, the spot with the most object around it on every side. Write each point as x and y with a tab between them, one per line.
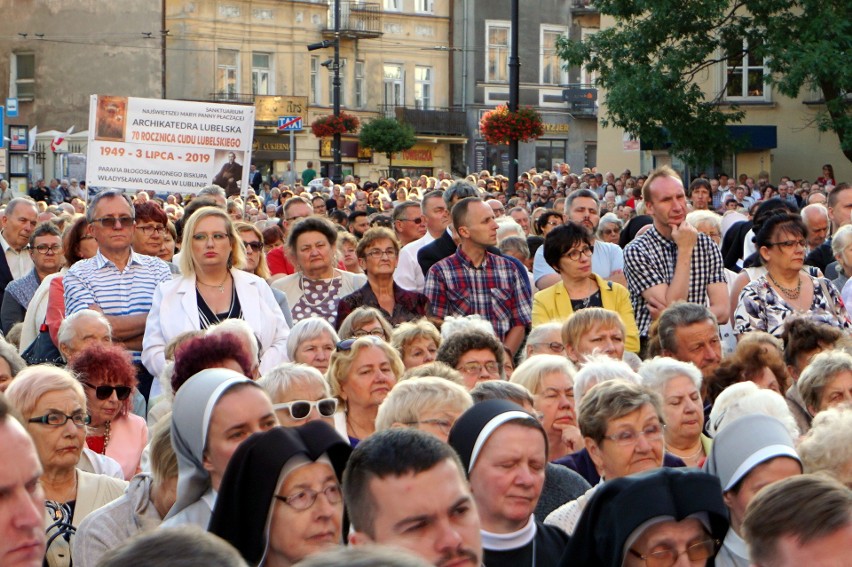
304	499
344	346
554	223
375	254
44	248
253	246
418	220
301	409
374	332
554	346
611	231
216	236
631	437
575	254
472	368
788	244
105	392
667	556
56	418
121	222
150	229
442	424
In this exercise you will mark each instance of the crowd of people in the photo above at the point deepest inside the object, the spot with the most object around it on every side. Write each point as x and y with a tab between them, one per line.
571	369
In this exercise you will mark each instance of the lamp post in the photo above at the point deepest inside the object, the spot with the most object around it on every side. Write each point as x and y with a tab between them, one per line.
514	95
336	176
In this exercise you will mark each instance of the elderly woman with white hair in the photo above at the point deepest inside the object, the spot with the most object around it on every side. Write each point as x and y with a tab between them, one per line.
609	228
300	394
827	381
311	342
429	404
545	339
549	378
827	447
747	398
679	385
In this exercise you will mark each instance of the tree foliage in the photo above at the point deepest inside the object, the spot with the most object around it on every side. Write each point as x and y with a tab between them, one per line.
649	61
387	136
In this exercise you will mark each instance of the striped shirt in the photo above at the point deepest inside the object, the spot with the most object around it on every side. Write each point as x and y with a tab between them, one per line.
127	292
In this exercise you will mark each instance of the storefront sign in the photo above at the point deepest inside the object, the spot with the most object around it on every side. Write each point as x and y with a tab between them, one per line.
270	148
556	128
269	108
419	155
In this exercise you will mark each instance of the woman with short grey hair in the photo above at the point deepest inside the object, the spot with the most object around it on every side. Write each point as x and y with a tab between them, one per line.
827	381
679	385
311	342
300	394
609	228
841	249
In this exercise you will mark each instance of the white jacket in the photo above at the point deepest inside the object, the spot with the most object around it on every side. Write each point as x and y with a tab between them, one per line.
174	310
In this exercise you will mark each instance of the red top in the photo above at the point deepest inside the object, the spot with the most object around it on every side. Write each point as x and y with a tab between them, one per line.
96	443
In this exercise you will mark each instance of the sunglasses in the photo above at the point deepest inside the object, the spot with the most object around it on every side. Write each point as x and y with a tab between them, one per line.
254	246
105	392
301	409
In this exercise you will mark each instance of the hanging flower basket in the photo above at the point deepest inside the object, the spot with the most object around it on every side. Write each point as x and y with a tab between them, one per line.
499	126
326	126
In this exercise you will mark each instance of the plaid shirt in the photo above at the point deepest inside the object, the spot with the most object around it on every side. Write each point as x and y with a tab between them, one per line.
650	260
497	290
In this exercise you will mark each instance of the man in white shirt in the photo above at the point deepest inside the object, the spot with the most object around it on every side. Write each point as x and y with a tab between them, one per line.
436	214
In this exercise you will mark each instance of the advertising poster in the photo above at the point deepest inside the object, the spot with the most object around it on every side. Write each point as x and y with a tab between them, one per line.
168	145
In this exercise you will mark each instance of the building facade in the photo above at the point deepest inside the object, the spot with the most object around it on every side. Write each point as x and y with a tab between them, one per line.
393	62
564	97
54	55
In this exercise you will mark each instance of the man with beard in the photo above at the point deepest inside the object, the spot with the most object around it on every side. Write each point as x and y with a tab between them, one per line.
583	207
476	281
405	488
359	223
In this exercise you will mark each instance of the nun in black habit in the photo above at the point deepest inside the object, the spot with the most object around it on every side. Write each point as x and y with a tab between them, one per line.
665	511
504	452
280	498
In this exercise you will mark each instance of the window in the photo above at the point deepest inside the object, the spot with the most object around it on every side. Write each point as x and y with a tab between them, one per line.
424	6
360	93
744	70
423	87
587	78
552	72
343	88
261	74
315	85
227	72
23	74
393	5
394	88
497	52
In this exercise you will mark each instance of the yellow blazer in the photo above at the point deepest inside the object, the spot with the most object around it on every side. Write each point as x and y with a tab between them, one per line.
554	304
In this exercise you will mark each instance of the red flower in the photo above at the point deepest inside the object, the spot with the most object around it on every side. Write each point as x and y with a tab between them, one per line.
500	126
327	126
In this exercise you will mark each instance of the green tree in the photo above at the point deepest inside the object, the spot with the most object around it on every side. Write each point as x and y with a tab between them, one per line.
648	61
387	136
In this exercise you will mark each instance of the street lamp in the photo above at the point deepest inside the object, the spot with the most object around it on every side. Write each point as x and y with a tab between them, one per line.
336	176
514	95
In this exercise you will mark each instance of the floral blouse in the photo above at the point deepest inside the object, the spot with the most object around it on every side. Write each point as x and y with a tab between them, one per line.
762	309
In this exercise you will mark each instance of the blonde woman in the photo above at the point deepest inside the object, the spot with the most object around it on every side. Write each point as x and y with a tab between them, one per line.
213	288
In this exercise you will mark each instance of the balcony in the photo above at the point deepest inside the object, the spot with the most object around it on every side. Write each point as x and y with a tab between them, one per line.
579	7
357	20
431	122
232	98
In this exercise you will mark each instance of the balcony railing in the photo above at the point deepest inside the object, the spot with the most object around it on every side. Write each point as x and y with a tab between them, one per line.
583	7
236	98
432	122
357	20
582	99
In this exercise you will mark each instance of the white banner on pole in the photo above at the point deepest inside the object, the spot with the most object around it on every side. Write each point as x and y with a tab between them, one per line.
168	145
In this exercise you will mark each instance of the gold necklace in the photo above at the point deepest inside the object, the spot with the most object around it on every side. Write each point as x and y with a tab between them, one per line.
788	292
106	437
220	287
